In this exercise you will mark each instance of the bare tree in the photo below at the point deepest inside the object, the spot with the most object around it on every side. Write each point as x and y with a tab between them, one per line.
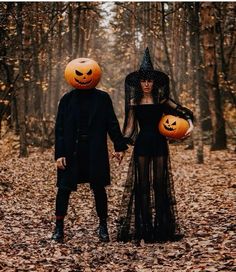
208	23
21	92
194	29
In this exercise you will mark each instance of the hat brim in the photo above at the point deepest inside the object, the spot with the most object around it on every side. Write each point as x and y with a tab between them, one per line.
160	78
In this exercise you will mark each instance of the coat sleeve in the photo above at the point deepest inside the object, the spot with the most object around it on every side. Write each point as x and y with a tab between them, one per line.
59	130
114	129
171	107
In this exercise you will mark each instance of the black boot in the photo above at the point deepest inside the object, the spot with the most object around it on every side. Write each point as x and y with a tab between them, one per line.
103	231
58	234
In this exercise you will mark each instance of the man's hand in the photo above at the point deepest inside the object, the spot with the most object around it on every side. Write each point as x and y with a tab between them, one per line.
61	163
119	156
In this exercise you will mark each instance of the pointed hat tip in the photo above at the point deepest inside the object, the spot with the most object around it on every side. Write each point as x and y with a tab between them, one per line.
146	62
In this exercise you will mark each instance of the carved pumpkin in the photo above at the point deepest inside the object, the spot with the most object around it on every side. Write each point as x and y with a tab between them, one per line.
83	73
173	126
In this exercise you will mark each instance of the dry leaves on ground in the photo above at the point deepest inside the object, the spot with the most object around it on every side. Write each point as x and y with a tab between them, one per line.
206	205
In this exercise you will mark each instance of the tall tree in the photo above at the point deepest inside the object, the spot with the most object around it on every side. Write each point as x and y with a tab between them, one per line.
21	93
208	24
166	50
194	29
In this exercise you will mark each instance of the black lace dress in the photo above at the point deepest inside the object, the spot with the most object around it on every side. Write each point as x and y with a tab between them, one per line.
148	207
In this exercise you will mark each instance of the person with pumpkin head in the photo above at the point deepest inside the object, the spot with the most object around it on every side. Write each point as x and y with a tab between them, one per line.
85	117
148	207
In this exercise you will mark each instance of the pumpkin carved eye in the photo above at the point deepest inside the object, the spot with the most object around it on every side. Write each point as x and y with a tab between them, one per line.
78	73
174	124
89	72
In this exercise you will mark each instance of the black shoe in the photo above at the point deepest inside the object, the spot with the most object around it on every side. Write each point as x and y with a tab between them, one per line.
103	232
58	234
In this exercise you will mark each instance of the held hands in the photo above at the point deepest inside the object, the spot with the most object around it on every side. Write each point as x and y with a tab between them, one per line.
61	163
119	156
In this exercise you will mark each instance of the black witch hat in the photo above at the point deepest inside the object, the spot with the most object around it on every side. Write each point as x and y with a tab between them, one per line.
146	71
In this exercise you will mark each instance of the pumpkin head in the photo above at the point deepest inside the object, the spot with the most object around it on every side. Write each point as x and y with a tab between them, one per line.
83	73
173	126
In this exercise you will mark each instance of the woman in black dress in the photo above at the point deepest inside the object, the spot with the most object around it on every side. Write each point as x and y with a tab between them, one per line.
148	208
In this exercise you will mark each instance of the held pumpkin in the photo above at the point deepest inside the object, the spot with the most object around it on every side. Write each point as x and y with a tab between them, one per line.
83	73
173	126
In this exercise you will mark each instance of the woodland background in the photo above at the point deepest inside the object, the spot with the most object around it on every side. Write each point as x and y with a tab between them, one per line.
194	43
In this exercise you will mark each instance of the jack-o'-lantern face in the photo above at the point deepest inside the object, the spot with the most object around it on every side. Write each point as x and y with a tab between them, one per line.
173	126
83	73
169	126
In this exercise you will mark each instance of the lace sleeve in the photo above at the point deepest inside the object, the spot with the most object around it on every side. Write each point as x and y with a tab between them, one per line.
171	107
130	126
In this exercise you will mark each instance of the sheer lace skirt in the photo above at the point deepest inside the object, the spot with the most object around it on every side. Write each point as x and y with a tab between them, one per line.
148	206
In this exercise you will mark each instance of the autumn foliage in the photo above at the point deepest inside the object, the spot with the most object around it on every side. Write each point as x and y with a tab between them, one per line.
205	197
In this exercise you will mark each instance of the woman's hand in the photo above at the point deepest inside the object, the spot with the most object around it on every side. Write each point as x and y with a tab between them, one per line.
188	132
61	163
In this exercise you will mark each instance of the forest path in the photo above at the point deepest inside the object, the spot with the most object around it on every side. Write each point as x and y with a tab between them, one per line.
206	205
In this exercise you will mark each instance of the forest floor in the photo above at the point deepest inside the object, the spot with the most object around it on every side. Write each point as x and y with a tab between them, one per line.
206	204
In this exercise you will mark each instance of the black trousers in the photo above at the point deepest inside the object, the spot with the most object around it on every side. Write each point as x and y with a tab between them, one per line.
63	195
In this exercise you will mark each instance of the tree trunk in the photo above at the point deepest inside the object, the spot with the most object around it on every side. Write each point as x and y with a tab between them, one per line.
165	43
70	33
225	17
196	66
77	31
21	103
82	34
183	55
58	67
37	95
158	44
176	47
211	76
133	31
50	87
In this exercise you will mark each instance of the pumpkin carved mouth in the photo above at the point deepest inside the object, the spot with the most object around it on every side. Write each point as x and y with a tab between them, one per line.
168	128
83	83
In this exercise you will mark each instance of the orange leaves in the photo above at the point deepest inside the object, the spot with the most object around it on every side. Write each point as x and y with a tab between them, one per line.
205	199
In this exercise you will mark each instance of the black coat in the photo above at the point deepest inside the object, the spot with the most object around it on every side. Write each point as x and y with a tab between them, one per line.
102	121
